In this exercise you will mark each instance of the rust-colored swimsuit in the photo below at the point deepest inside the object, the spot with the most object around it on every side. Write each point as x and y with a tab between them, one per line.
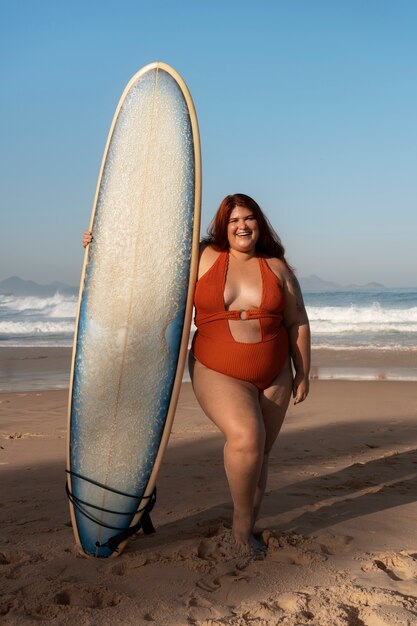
213	343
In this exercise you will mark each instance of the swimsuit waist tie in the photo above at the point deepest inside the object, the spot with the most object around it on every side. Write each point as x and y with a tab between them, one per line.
243	315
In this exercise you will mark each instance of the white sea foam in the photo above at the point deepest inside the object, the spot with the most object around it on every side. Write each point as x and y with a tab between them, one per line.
29	328
356	323
57	306
330	320
31	320
364	345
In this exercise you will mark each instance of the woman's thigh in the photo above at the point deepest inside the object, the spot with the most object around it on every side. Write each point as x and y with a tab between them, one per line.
232	404
274	404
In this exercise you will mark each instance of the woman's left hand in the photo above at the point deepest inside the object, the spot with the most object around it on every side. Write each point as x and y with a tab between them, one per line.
300	388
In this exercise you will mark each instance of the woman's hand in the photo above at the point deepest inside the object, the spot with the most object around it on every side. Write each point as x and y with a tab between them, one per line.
300	388
87	238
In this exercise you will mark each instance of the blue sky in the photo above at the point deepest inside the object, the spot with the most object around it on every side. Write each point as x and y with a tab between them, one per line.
308	106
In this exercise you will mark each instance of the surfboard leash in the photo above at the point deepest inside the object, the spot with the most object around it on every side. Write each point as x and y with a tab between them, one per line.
145	522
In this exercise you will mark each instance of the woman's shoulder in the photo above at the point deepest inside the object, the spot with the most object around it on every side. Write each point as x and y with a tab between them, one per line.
207	257
279	268
208	249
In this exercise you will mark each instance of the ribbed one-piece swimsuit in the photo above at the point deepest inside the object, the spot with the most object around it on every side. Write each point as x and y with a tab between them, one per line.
213	343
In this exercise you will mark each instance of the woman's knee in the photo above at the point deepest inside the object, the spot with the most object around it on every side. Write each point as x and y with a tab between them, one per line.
250	442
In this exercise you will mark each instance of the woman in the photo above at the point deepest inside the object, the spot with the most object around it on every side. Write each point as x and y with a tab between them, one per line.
251	323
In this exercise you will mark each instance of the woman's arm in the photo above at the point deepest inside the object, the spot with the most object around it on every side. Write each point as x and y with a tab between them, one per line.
297	324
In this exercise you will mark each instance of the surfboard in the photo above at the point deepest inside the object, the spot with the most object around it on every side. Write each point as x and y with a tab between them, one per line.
135	308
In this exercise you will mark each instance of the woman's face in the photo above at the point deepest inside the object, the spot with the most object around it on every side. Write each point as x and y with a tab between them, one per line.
242	229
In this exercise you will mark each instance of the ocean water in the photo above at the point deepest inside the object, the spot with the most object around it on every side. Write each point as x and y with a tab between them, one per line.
342	320
361	319
34	321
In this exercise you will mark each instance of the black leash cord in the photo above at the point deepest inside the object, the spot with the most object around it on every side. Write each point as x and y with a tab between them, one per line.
106	487
145	522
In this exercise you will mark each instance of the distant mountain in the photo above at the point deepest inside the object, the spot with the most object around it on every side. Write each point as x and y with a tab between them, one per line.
19	287
315	283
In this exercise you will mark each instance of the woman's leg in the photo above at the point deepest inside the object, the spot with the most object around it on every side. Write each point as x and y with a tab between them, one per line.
233	405
274	404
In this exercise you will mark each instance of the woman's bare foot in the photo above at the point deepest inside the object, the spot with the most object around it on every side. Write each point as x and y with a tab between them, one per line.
251	548
246	544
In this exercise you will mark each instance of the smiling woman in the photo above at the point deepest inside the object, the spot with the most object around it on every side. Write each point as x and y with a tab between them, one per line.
251	323
252	334
242	228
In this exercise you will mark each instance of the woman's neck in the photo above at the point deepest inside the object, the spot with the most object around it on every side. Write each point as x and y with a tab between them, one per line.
242	256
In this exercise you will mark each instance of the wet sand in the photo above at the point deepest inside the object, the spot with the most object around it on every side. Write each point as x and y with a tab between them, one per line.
40	368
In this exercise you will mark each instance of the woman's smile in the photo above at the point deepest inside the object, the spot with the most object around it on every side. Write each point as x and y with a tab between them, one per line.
242	228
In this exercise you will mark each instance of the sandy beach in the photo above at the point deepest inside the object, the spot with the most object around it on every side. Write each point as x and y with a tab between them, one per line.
339	517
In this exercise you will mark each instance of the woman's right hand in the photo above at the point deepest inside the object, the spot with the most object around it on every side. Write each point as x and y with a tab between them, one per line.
87	238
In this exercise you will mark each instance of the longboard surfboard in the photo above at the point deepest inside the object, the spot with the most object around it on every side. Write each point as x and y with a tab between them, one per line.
135	308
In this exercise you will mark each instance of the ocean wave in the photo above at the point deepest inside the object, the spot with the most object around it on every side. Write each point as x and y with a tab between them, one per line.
378	347
56	306
27	328
353	319
370	325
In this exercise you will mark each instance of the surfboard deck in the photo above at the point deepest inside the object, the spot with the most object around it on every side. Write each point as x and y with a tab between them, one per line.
135	308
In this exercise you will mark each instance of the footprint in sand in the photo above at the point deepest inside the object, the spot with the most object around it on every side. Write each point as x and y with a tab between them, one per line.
55	606
86	597
201	610
209	585
334	544
291	602
397	566
19	558
264	614
292	548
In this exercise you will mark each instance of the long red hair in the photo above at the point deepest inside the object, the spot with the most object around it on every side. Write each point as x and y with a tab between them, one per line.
268	244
